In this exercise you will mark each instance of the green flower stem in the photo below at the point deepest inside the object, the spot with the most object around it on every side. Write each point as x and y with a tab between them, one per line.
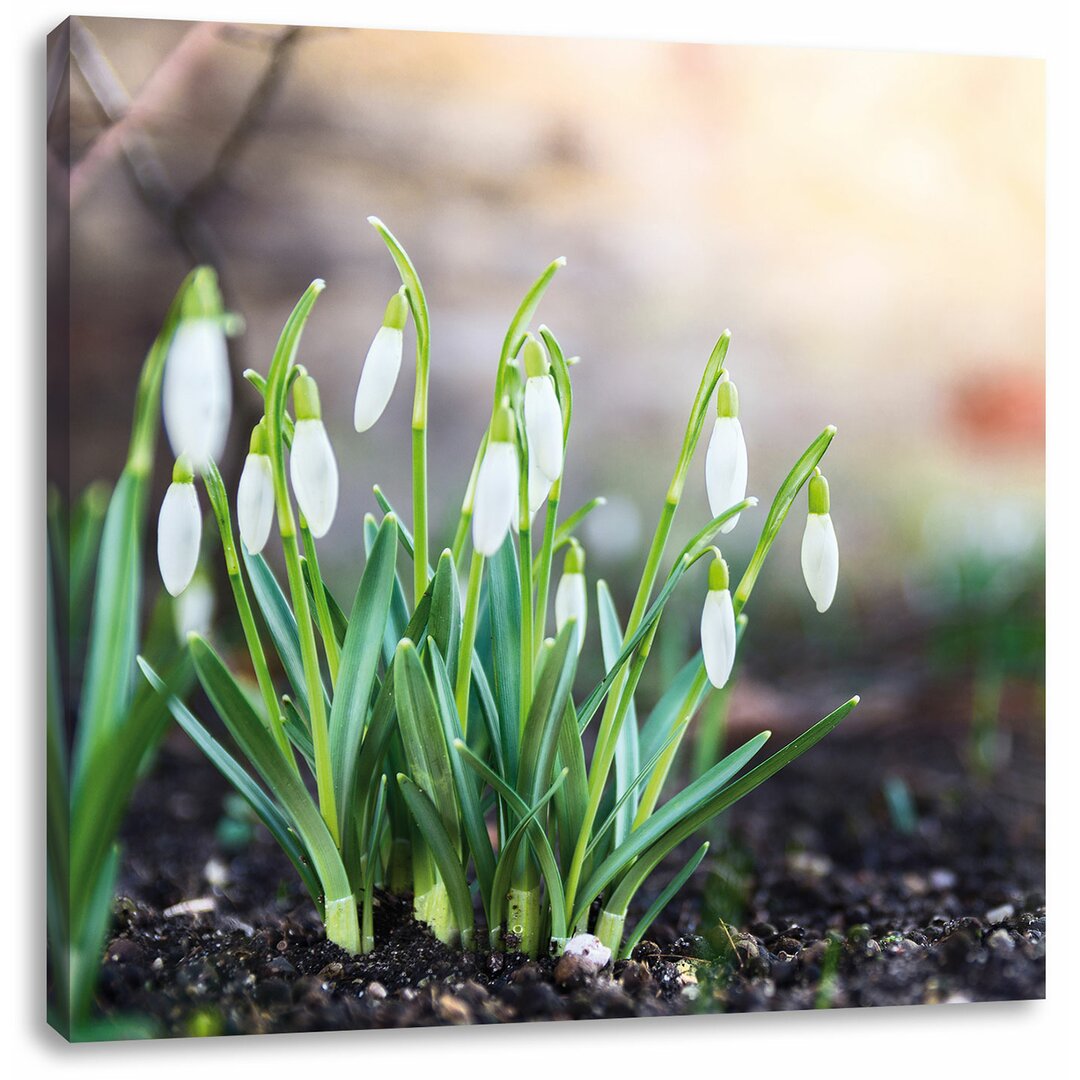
651	794
543	570
523	915
419	476
527	655
618	700
309	654
215	489
322	609
468	639
465	518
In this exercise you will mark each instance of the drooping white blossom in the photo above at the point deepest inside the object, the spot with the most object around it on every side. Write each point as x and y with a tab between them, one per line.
543	416
255	502
179	531
196	395
539	488
496	498
381	366
725	461
718	627
820	555
571	596
312	465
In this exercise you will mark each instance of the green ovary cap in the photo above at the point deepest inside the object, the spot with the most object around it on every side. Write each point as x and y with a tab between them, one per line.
182	472
396	311
202	297
818	489
306	399
502	423
536	361
719	578
260	441
727	398
574	562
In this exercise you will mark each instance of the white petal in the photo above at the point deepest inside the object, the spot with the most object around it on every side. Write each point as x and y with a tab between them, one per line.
196	394
255	502
193	611
820	559
378	377
543	426
179	533
718	636
495	500
725	468
572	602
314	473
539	487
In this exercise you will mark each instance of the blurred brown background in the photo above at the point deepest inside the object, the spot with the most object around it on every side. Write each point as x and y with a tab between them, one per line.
869	225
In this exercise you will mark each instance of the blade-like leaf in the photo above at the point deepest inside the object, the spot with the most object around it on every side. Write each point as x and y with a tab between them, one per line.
444	851
269	813
627	750
504	609
673	886
444	623
359	660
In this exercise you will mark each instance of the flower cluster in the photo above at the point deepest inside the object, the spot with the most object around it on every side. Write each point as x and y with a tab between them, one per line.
442	729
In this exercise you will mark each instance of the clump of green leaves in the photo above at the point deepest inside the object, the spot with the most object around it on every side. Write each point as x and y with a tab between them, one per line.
442	727
102	720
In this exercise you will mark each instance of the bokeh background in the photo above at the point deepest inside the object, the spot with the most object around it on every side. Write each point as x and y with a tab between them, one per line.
869	225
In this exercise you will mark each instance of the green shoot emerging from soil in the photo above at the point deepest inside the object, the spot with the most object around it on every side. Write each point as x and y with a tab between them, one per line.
431	738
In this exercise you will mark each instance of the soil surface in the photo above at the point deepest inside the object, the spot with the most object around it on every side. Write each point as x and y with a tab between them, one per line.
825	893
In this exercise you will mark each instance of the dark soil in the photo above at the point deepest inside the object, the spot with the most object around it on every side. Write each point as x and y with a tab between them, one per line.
820	898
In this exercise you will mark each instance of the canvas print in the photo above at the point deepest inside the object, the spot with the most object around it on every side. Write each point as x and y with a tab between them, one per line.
539	529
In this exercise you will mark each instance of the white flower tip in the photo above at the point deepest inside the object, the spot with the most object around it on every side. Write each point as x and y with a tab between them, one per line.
373	220
318	284
855	699
752	500
831	429
560	261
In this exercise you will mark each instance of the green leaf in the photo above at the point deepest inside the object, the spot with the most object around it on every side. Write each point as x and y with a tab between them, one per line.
269	813
398	618
662	901
515	333
298	731
258	746
339	620
422	735
281	622
540	736
88	938
359	660
670	816
504	610
685	825
444	623
627	750
472	817
445	853
657	728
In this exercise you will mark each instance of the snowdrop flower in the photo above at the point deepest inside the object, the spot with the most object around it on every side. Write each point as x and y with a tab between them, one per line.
571	599
718	626
543	416
312	465
725	462
193	610
496	499
820	555
539	488
255	495
179	529
196	395
381	367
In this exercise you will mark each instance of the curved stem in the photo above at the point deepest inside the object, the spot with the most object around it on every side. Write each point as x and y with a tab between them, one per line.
468	639
322	609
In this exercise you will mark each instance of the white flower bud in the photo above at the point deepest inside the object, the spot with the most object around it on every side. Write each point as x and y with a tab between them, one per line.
820	559
718	627
544	426
572	602
314	474
378	378
496	497
725	462
539	488
255	502
179	532
196	396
